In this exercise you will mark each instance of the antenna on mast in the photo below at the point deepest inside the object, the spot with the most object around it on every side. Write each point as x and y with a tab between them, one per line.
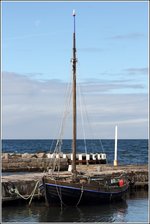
74	60
74	14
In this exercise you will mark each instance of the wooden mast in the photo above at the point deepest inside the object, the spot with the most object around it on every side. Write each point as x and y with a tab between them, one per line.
74	60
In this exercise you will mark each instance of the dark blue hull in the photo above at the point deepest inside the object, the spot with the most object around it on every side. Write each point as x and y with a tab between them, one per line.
71	195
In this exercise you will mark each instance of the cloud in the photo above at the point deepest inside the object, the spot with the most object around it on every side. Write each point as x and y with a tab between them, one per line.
34	109
128	71
106	111
136	71
28	104
92	86
127	80
130	36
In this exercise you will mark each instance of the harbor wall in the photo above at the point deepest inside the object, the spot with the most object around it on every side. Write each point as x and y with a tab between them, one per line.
27	186
12	162
31	162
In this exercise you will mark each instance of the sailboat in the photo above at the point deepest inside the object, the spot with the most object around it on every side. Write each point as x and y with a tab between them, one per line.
75	187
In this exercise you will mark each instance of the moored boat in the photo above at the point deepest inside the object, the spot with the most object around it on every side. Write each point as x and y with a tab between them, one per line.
74	188
84	190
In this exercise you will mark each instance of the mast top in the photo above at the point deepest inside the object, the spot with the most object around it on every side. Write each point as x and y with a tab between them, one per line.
74	13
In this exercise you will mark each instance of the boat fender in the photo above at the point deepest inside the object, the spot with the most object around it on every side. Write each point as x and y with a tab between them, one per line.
121	182
99	156
80	156
94	156
70	168
87	157
71	156
104	156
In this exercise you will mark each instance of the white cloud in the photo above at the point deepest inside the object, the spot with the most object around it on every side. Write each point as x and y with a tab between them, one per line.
33	109
130	36
137	71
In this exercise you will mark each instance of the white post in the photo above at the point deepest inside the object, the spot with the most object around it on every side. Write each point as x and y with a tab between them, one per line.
115	156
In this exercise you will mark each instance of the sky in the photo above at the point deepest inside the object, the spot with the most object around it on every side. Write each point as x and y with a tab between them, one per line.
112	68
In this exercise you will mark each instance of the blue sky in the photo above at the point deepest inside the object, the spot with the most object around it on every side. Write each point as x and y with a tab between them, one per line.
112	51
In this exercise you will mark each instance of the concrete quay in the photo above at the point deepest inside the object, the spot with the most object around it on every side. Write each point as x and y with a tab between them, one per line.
27	184
16	162
28	162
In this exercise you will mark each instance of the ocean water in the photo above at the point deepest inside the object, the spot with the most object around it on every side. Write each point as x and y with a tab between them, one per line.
133	209
130	151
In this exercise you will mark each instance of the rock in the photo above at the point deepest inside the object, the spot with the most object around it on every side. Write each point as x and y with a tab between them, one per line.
33	156
41	155
6	156
25	155
15	156
28	156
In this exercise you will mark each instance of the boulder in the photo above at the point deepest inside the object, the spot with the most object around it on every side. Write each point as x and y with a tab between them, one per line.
15	156
28	156
6	156
41	155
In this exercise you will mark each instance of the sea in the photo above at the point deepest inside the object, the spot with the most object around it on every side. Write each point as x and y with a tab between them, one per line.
135	209
130	151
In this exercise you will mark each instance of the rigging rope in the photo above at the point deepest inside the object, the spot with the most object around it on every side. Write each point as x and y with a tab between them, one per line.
88	120
63	119
82	120
80	196
66	112
58	189
59	195
58	146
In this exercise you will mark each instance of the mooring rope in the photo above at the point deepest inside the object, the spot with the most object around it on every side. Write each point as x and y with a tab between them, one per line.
13	191
33	192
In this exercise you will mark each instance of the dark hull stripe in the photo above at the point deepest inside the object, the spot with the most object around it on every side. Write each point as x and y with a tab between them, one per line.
79	189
